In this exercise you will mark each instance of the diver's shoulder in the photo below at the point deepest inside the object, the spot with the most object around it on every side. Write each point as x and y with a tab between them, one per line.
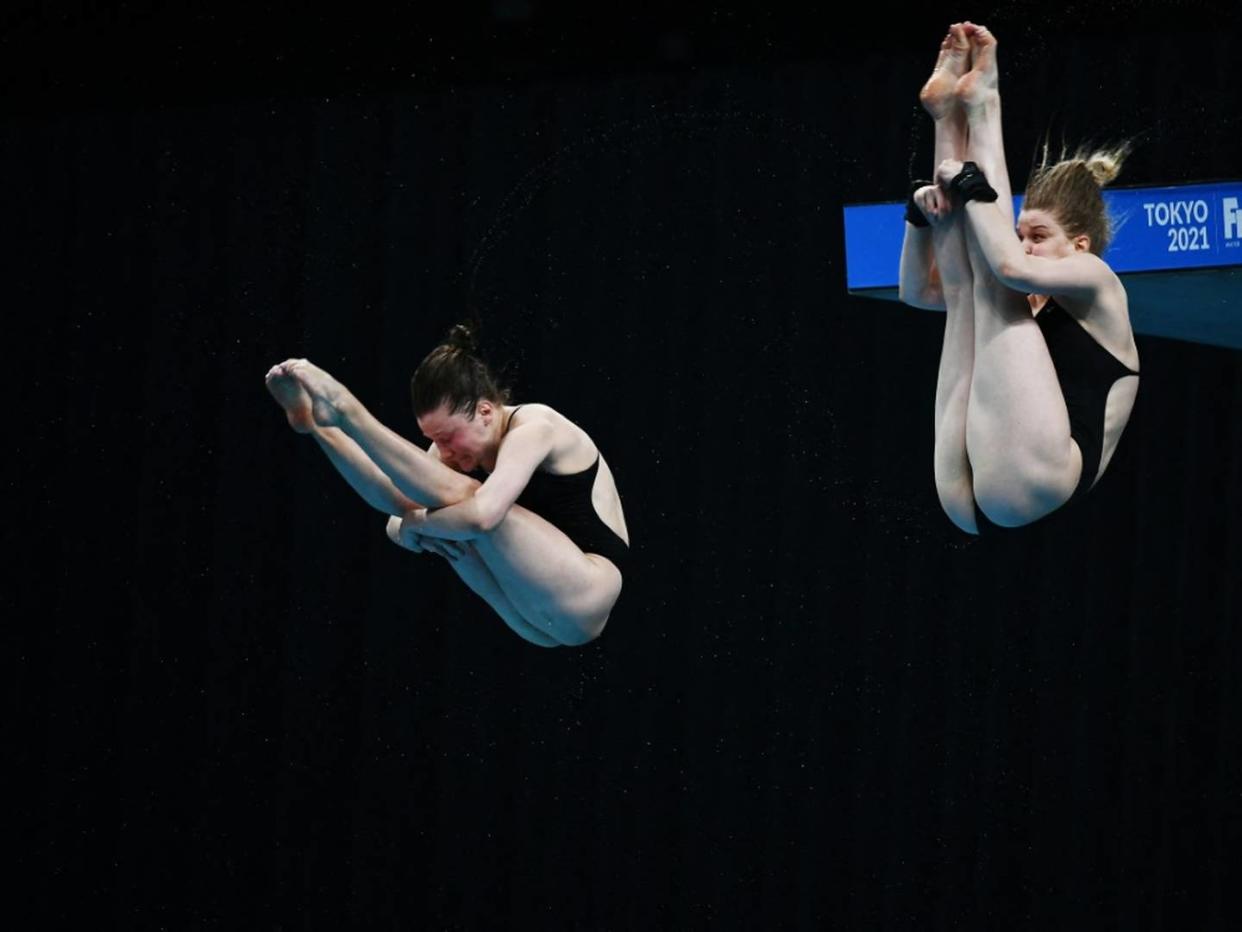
534	411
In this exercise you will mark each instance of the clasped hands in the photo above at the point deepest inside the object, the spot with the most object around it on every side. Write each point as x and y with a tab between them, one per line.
404	532
934	199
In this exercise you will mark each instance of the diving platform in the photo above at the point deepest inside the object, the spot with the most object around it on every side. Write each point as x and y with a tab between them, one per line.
1177	249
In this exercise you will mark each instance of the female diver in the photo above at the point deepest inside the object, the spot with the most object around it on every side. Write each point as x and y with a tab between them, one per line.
1038	371
517	498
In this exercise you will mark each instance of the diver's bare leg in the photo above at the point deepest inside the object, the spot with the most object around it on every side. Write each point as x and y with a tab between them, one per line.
951	466
471	569
558	589
363	476
532	575
1017	428
414	472
978	92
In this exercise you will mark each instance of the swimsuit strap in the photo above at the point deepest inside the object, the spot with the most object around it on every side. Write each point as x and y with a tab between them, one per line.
512	415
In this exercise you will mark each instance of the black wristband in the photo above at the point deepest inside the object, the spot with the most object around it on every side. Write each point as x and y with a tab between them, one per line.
971	185
914	216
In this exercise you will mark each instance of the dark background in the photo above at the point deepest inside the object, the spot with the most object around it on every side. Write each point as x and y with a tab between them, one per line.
231	703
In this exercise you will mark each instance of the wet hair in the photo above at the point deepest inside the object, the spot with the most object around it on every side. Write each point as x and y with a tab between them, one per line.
1069	189
452	374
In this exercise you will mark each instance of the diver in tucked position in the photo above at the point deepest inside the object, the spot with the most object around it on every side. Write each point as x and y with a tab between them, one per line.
1038	370
517	498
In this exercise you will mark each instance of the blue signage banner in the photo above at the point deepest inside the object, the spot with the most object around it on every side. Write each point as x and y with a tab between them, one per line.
1180	227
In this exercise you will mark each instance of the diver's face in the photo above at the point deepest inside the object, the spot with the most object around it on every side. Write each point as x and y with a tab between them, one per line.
461	440
1041	235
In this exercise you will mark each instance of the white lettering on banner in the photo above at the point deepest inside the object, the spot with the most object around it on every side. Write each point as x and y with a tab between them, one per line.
1176	213
1233	218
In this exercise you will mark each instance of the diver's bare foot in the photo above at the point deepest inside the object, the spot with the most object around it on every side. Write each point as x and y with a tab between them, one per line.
938	94
291	396
979	85
331	402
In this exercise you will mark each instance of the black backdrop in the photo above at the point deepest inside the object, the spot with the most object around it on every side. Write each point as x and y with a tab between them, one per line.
233	704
